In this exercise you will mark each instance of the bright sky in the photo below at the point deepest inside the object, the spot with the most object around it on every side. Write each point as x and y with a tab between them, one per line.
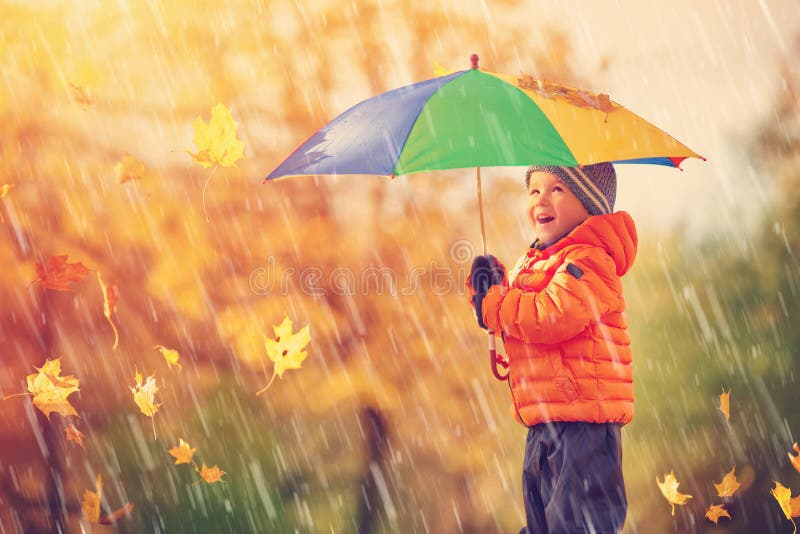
704	72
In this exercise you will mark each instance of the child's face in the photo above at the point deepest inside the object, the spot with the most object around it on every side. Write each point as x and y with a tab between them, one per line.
552	208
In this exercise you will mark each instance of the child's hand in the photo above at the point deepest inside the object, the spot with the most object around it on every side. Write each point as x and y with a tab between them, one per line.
486	272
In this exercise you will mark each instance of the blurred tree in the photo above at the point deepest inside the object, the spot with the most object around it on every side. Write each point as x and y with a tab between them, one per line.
397	372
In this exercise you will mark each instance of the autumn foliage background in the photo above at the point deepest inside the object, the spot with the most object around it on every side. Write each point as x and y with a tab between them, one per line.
394	422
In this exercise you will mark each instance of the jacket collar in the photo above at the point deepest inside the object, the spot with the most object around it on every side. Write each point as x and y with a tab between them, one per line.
613	232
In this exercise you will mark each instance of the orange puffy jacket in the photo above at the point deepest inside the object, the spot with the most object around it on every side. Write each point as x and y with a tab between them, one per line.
565	333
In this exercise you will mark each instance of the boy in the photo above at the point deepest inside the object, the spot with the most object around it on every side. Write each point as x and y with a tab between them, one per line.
568	347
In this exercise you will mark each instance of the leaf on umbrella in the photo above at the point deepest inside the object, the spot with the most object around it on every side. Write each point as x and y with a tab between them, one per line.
110	299
725	403
576	97
170	355
74	435
4	189
669	488
783	495
183	452
795	459
715	511
91	502
116	515
144	395
211	474
57	274
216	141
729	485
438	70
129	169
50	390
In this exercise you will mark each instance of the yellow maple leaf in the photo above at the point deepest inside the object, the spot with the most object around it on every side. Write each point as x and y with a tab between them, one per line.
216	141
50	390
183	452
129	168
91	502
725	403
286	350
91	507
211	474
728	486
144	395
4	189
74	435
170	355
795	459
438	70
669	488
783	495
715	511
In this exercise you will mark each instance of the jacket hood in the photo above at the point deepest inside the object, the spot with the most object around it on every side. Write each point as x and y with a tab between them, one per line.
613	232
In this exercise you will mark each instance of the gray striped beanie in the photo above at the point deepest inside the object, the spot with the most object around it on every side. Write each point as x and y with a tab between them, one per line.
594	185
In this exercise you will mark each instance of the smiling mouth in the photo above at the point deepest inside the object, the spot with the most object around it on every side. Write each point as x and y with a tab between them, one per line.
544	219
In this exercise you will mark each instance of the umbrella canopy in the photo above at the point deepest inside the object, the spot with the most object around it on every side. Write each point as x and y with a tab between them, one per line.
474	118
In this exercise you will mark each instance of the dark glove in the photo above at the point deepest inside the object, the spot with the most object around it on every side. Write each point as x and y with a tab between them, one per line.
486	272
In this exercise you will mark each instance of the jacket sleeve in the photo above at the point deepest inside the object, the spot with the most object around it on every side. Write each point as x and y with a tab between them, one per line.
583	289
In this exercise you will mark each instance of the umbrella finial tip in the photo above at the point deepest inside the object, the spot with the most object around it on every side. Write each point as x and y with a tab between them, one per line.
474	60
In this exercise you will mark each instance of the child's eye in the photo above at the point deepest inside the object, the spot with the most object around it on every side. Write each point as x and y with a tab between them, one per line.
558	188
534	192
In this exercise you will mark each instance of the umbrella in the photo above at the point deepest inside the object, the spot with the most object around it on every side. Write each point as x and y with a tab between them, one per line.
476	118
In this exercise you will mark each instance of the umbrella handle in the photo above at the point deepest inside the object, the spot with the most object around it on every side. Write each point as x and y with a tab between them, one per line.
496	359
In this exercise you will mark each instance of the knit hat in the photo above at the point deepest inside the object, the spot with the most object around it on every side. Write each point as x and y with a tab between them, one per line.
594	185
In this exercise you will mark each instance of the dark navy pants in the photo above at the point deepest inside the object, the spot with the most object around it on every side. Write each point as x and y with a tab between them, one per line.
572	479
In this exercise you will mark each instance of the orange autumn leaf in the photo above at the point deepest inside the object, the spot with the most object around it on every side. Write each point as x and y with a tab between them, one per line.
783	495
286	350
183	452
170	355
216	141
74	435
725	403
110	299
91	507
91	502
715	511
144	395
795	459
116	515
57	274
50	390
669	488
729	485
129	169
211	474
794	506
